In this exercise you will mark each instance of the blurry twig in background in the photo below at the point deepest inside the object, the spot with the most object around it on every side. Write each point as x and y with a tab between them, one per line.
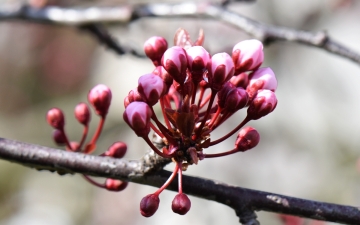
83	16
148	170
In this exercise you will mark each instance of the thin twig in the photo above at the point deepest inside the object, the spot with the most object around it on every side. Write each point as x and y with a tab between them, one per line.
148	171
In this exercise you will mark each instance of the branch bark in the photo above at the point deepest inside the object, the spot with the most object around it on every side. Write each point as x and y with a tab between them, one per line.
81	17
148	170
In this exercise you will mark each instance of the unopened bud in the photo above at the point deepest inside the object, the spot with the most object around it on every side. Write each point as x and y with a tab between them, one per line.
115	185
133	96
247	55
263	78
59	137
116	150
264	103
198	59
220	70
55	118
149	204
82	113
154	48
137	115
181	204
247	139
241	80
222	94
235	100
174	61
100	98
151	88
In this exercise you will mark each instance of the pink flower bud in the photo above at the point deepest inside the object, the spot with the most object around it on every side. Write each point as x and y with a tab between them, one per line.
181	204
264	103
247	55
116	150
174	61
235	100
198	59
149	204
74	146
115	185
222	94
151	88
100	98
59	137
220	70
241	80
55	118
247	139
137	115
154	48
133	96
82	113
263	78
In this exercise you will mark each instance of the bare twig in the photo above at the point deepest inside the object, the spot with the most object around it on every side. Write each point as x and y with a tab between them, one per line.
148	171
125	14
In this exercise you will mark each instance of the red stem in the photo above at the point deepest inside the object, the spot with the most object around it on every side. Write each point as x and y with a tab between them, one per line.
156	150
83	138
171	178
180	176
221	154
98	130
247	119
91	181
198	131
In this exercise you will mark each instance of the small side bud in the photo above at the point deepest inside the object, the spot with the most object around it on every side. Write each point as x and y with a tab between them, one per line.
264	103
59	137
151	88
115	185
235	100
137	115
149	204
133	96
181	204
100	98
82	113
116	150
240	80
247	139
222	94
55	118
154	48
220	70
247	55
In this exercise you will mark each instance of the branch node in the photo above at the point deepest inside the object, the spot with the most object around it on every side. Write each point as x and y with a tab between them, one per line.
247	217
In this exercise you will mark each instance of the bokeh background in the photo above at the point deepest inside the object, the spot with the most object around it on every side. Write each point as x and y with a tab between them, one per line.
309	145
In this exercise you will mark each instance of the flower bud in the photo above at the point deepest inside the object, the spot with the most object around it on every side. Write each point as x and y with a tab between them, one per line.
223	93
247	139
161	72
115	185
82	113
154	48
235	100
241	80
74	146
55	118
137	115
264	103
100	98
181	204
198	58
247	55
59	137
116	150
220	70
133	96
151	88
149	204
263	78
174	61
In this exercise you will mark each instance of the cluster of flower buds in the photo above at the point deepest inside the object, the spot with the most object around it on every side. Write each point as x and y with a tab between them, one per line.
197	92
100	98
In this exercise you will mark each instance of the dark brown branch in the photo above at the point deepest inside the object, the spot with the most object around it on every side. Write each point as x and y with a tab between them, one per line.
148	171
126	14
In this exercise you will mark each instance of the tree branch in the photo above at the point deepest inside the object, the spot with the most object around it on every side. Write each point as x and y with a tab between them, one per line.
148	170
125	14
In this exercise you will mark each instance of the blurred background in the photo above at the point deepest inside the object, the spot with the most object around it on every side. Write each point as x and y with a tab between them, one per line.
309	145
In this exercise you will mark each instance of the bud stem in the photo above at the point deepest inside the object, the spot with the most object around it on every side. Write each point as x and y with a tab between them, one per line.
169	180
162	103
157	151
247	119
221	154
91	181
83	138
179	164
98	130
213	94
